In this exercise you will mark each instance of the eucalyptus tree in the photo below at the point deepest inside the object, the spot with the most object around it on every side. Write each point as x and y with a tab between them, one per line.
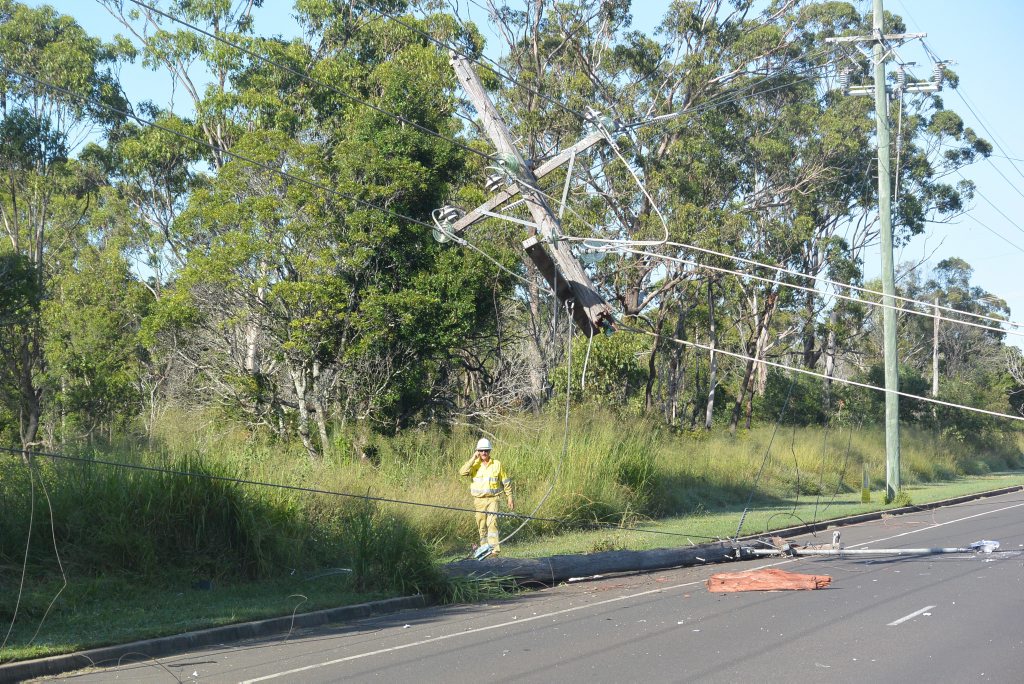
56	81
305	284
567	59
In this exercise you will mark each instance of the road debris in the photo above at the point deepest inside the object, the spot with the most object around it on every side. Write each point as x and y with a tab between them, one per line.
767	579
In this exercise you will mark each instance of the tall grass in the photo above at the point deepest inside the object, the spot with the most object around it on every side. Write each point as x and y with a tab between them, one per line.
191	530
602	469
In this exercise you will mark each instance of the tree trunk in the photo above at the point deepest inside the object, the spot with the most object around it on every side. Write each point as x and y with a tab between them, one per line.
30	409
756	360
810	341
652	373
302	381
538	370
831	349
320	412
675	371
744	388
709	412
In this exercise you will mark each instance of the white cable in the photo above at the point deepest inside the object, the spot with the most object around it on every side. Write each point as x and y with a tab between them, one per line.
805	288
639	184
586	360
826	377
458	239
834	283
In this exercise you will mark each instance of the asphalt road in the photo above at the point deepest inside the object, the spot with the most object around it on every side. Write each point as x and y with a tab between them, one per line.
948	618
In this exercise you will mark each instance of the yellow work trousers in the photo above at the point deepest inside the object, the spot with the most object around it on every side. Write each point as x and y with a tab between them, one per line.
486	521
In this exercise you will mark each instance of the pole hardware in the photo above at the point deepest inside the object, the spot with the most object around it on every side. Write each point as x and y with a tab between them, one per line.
553	258
601	121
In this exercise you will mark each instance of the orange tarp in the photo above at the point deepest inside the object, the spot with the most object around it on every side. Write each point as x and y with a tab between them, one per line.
768	579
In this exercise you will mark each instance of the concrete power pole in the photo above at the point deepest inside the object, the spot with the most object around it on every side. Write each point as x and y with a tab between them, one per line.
892	377
879	55
935	350
549	253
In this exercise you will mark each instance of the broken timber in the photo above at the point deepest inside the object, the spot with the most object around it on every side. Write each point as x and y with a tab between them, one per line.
552	257
503	195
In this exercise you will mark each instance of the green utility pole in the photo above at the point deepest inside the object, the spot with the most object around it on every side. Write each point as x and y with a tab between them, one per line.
892	378
882	45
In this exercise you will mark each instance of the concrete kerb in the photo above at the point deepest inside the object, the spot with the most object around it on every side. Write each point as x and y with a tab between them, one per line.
179	643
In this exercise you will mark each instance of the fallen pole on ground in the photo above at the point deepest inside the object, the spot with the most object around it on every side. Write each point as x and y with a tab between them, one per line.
554	569
777	546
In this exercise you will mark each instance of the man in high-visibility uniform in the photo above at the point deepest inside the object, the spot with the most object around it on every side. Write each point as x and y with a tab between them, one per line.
489	480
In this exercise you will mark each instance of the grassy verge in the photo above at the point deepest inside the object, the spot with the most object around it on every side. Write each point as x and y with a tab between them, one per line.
763	517
117	610
103	611
135	543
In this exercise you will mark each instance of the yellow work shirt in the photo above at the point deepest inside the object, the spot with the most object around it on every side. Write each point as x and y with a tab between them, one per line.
489	479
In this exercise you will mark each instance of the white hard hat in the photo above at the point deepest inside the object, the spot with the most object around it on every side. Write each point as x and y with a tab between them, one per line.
483	445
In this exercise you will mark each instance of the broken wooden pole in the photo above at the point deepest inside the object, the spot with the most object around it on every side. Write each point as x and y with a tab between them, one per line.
554	569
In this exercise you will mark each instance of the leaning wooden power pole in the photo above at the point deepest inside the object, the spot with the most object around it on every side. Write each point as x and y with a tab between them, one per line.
880	53
560	268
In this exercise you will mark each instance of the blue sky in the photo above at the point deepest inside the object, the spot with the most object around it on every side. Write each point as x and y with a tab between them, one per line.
983	42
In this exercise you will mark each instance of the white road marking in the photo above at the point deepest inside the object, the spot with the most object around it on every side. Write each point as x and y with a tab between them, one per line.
932	527
910	617
358	656
469	631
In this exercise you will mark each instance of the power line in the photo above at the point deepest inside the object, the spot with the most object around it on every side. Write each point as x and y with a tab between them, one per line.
780	269
328	492
305	76
1003	156
998	235
496	69
734	95
804	288
249	160
993	205
1003	176
995	138
815	374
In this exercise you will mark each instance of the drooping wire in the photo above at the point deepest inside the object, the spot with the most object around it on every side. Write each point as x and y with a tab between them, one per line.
565	429
804	371
28	545
56	552
767	456
327	492
842	472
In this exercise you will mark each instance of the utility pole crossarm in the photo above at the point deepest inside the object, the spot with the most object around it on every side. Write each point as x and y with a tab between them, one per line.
889	38
560	268
544	169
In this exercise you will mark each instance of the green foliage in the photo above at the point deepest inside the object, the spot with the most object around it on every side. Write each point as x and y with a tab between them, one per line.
93	356
120	521
902	499
616	369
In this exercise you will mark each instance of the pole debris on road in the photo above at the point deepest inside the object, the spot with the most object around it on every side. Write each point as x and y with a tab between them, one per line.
765	579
